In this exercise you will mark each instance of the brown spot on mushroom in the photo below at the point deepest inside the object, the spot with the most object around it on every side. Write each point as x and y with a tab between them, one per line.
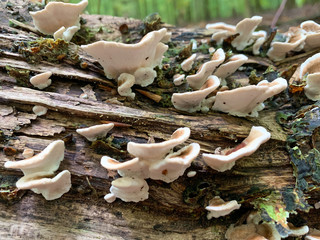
165	172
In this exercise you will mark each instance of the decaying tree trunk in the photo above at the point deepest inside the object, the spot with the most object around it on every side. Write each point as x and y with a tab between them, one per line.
169	213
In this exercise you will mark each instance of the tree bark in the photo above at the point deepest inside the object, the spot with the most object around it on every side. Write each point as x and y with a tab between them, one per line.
82	213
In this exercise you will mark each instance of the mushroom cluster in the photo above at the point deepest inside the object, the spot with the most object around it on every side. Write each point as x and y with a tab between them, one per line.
39	171
152	160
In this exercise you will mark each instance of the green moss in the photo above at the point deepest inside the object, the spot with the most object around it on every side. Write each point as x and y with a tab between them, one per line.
47	49
84	36
8	190
254	79
22	76
195	193
152	22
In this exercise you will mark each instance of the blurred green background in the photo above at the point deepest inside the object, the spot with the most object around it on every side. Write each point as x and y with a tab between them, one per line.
184	12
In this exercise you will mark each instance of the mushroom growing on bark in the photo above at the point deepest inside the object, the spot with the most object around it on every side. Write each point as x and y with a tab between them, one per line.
41	80
95	132
137	59
39	168
226	159
218	207
312	34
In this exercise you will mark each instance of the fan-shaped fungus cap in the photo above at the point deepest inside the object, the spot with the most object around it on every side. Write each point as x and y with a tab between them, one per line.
245	29
117	58
128	189
218	207
295	42
156	151
47	161
39	110
50	188
226	160
312	34
247	101
243	232
178	79
221	31
95	132
125	82
28	153
191	101
131	168
261	37
186	65
144	76
197	80
311	67
41	80
297	231
56	15
174	165
231	65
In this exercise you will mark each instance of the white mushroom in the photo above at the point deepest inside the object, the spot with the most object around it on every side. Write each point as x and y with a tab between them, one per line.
261	38
226	160
50	188
56	15
47	161
28	153
221	31
42	80
312	69
197	80
295	39
174	165
218	207
317	205
191	174
312	34
66	34
245	30
156	151
117	58
39	110
125	82
178	79
191	101
231	65
95	132
186	65
128	189
144	76
247	101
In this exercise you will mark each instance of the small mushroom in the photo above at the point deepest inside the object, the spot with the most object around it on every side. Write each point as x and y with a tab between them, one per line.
66	34
125	82
221	31
312	34
144	76
128	189
226	159
312	69
28	153
174	165
295	40
261	38
42	80
186	65
191	101
39	110
197	80
231	65
156	151
50	188
95	132
58	14
47	161
248	100
218	207
178	79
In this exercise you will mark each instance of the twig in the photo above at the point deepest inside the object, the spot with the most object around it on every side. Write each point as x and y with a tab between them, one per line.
117	124
152	96
278	14
25	27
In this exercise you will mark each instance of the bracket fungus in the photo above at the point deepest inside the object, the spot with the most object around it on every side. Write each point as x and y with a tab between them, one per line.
58	14
39	110
66	34
136	59
191	101
95	132
39	168
41	80
153	160
312	34
218	207
231	65
226	160
247	101
186	65
178	79
197	80
244	29
295	40
311	68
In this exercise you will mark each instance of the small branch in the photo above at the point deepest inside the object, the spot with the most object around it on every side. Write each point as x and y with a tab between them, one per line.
152	96
278	14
